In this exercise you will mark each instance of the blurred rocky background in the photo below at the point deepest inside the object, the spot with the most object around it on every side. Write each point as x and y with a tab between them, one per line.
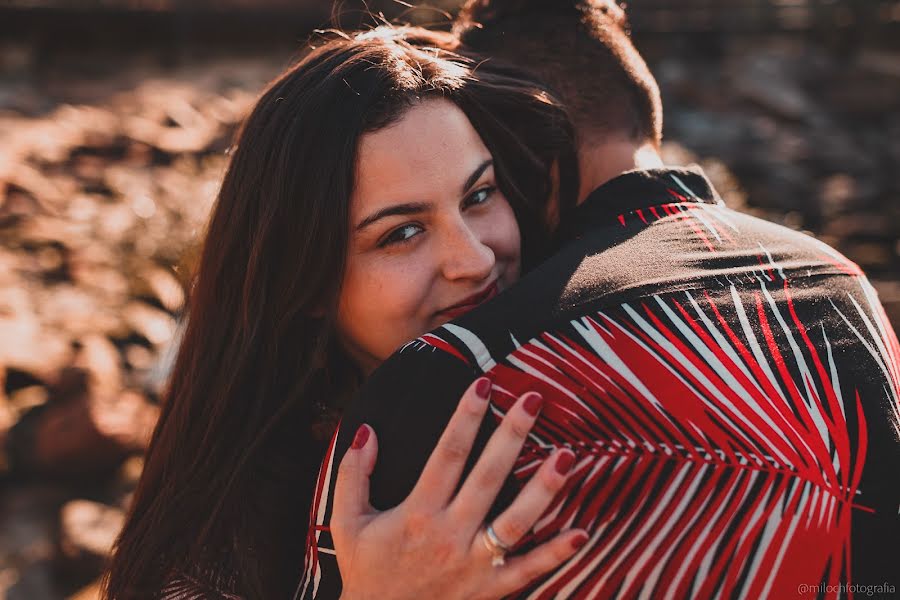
115	122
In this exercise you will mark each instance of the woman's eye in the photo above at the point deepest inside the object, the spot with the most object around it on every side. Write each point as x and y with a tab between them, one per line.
400	235
480	196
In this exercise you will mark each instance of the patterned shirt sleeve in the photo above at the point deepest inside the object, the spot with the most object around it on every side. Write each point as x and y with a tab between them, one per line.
397	394
321	578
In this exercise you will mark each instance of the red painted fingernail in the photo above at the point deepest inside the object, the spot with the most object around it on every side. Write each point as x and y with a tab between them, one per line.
564	462
361	437
579	541
483	388
533	403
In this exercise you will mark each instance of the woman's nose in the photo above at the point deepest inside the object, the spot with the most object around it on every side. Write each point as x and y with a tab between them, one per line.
467	255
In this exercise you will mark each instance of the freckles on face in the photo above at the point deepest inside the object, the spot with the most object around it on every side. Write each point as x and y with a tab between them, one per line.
431	236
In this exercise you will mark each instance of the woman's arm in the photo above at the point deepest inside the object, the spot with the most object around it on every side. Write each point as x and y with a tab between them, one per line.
433	545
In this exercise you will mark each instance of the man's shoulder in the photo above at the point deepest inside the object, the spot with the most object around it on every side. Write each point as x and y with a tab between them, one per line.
416	376
408	401
431	361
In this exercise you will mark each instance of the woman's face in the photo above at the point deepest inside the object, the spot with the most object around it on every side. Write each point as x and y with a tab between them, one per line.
431	235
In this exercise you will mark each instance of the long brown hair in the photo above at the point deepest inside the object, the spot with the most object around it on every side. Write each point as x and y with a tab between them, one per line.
259	380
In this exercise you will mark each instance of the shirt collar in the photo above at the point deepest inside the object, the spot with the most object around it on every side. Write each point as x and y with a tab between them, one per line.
639	189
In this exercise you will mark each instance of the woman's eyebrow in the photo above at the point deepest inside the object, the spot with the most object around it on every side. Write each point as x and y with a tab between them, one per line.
476	174
411	208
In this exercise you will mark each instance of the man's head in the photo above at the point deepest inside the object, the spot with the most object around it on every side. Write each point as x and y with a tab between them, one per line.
581	49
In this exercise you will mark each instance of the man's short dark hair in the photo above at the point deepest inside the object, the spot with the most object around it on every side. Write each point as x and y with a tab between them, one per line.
580	48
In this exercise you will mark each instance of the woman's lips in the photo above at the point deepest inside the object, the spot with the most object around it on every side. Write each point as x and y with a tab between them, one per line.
470	302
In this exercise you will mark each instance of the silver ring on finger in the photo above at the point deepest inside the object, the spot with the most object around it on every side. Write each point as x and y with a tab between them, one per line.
495	546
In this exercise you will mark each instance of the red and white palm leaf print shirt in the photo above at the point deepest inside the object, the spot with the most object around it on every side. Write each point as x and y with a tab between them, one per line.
731	390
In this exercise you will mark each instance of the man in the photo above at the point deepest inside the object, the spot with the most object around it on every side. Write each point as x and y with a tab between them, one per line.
730	387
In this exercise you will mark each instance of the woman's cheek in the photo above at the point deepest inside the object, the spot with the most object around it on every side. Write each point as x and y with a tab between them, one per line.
508	243
401	299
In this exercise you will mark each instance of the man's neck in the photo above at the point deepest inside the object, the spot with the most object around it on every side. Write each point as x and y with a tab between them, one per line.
601	161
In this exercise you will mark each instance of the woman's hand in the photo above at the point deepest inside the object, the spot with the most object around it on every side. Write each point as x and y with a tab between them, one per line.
433	544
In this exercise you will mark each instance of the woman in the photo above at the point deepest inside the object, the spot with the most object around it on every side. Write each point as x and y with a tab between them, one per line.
378	189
